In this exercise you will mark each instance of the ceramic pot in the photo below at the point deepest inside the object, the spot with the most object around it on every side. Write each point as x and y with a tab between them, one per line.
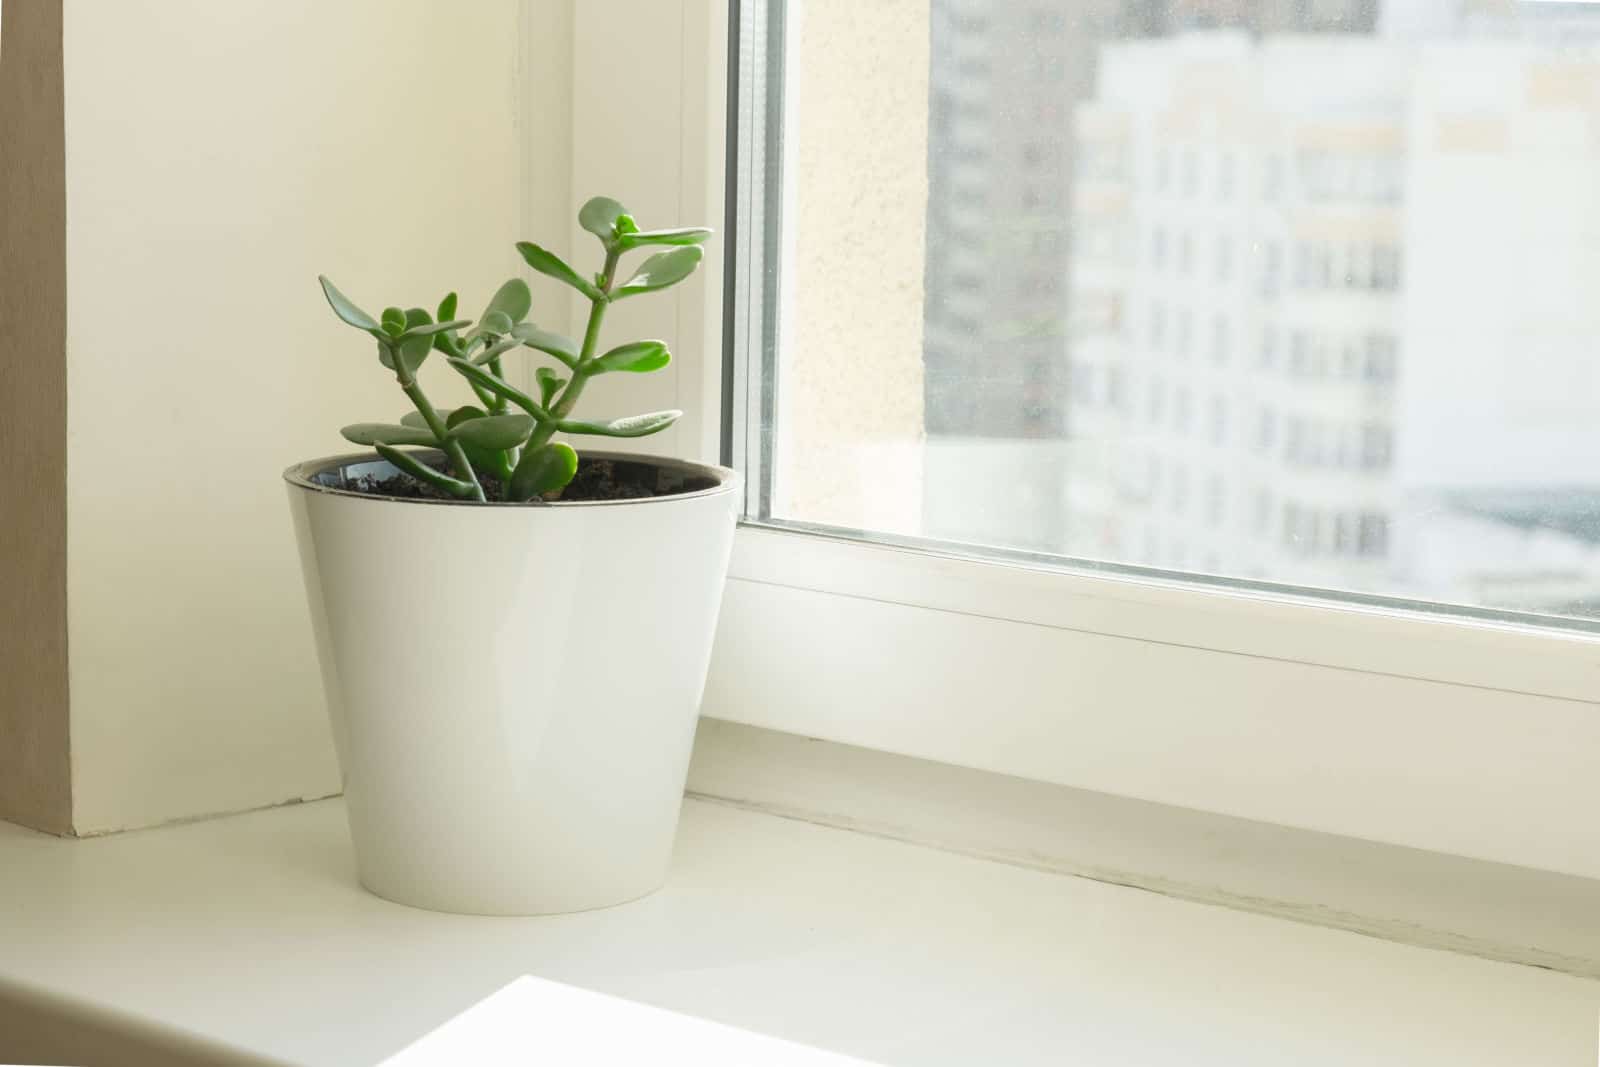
513	688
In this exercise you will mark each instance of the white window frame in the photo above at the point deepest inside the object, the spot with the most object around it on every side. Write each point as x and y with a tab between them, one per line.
1476	736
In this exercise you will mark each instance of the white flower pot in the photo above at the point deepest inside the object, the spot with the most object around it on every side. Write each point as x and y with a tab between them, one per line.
513	688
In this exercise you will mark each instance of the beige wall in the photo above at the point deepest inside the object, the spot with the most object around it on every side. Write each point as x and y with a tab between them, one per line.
850	415
220	155
35	786
217	156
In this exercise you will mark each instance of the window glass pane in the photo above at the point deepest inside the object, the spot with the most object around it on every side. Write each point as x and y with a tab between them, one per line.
1303	293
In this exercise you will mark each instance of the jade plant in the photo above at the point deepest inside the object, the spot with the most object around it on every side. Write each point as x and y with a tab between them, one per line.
506	439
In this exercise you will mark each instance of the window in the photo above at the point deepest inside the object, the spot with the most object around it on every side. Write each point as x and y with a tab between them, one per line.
1219	340
1218	423
921	464
1379	366
1158	248
1223	264
864	156
1271	269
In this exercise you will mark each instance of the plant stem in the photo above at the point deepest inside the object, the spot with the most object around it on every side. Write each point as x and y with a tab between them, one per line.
497	406
497	403
452	449
581	373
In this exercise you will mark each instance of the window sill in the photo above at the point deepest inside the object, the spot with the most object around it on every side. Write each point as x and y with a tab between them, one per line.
246	940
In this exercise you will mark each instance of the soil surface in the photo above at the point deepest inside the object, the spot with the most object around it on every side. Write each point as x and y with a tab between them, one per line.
597	479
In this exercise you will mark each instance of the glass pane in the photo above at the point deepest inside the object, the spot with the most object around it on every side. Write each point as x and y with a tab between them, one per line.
1289	291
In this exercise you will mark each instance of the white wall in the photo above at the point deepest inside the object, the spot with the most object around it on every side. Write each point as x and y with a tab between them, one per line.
220	155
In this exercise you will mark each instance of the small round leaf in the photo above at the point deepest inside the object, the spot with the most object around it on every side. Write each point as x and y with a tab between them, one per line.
688	235
661	270
513	300
550	383
461	414
344	308
382	433
495	431
548	263
638	356
543	470
563	348
599	216
631	426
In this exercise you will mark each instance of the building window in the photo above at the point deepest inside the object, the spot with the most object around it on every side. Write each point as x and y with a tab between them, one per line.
1379	366
1219	340
1216	500
1271	269
1377	446
1271	178
1266	429
1373	535
1385	268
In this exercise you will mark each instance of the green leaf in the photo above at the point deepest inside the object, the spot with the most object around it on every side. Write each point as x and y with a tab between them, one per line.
343	307
552	265
493	324
461	414
626	225
414	418
687	235
415	341
549	384
543	470
563	348
599	216
495	431
513	300
447	308
661	270
424	473
394	322
479	376
636	356
499	348
632	426
383	433
428	329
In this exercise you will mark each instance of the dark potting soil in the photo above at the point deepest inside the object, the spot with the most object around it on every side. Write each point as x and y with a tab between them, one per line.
597	479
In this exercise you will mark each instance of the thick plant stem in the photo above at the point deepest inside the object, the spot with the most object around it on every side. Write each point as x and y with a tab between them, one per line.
452	449
497	406
581	373
497	403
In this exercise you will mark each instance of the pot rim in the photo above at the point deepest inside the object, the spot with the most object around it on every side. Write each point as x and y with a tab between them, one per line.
728	480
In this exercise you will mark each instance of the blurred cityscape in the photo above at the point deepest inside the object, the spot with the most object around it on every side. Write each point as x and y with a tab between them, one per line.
1305	291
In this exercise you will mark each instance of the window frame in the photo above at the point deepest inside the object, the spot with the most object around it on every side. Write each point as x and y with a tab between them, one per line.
1469	733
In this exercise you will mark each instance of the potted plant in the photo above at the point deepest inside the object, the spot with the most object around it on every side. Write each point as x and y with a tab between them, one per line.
514	635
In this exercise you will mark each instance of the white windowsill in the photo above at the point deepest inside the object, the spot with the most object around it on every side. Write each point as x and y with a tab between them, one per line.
250	936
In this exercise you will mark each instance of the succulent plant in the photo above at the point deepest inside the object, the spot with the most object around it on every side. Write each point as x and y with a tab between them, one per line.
508	435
